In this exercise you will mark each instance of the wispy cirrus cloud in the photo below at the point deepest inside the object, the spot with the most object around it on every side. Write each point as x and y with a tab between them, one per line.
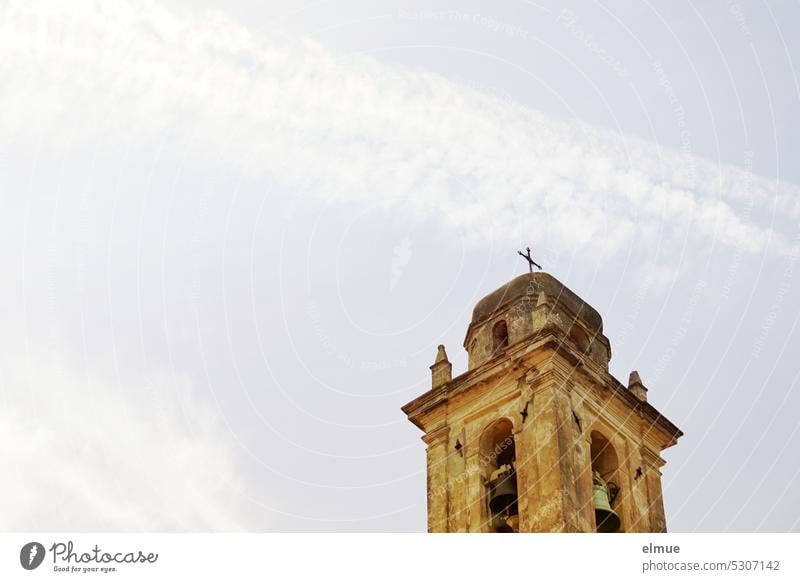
345	127
87	75
89	453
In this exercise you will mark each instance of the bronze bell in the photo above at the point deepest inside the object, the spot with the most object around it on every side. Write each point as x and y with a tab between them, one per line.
500	524
607	520
503	497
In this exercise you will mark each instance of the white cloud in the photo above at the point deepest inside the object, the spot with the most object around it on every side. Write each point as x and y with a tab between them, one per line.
90	453
89	450
350	128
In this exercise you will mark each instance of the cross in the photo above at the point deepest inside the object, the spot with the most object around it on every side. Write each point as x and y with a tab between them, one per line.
528	258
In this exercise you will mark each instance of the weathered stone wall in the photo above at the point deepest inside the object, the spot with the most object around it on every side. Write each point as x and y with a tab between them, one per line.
526	319
437	480
554	418
552	385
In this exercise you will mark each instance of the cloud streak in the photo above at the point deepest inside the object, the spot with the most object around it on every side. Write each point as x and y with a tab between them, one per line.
345	127
97	452
90	454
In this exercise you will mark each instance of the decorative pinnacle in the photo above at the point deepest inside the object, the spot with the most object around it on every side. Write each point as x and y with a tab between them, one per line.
636	387
442	369
441	355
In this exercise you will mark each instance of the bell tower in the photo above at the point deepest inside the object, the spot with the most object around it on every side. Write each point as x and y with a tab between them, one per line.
537	435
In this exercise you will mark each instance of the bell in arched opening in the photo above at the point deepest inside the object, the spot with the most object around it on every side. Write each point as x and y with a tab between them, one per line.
503	501
607	519
605	466
503	495
498	458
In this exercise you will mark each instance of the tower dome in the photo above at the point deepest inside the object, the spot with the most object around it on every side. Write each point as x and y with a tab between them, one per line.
529	305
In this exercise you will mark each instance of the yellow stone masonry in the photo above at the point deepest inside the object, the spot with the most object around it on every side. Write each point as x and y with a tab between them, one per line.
537	436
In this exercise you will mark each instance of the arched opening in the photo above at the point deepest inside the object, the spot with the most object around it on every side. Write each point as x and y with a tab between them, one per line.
498	464
579	337
605	484
499	337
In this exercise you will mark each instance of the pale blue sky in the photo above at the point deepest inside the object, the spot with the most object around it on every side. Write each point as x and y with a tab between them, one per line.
234	235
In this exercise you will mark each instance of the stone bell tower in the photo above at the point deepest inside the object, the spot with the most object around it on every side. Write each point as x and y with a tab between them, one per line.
537	435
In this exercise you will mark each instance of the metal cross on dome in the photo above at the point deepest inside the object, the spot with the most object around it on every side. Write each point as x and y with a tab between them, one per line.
528	258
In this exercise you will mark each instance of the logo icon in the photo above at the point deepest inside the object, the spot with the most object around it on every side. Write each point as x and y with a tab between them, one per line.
31	555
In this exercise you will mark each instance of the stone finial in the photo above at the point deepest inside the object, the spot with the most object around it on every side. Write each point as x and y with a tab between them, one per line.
442	369
540	312
636	387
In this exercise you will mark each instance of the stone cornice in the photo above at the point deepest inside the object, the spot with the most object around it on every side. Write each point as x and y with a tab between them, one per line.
436	437
512	360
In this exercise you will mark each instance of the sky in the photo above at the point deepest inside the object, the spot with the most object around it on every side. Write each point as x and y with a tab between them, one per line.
233	234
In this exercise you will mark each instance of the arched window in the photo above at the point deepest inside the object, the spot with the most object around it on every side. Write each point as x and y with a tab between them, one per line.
579	337
498	464
499	337
605	488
